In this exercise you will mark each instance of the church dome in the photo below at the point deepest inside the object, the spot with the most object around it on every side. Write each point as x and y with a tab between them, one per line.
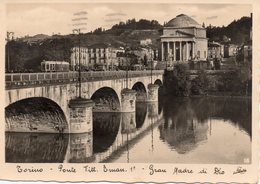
181	21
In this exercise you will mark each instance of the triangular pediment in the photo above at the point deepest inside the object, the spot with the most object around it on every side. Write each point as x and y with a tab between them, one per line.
183	34
179	34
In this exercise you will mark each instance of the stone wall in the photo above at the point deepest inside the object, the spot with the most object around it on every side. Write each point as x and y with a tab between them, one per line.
35	115
60	95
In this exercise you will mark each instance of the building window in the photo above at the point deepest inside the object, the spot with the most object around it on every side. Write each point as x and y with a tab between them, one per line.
198	54
205	54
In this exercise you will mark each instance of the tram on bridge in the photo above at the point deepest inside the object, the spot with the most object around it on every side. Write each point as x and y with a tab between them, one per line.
54	66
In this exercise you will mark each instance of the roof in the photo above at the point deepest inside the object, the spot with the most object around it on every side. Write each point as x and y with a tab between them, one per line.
214	44
184	33
181	21
100	45
112	44
55	62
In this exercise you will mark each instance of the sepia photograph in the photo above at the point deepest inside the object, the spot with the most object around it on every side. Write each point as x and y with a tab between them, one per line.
160	83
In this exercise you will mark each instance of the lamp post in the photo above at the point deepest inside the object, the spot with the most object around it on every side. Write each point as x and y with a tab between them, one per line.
82	107
8	35
79	63
151	71
79	24
127	68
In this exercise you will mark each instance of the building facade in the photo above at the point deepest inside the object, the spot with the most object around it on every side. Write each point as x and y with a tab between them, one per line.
77	53
230	50
183	39
215	50
146	41
95	56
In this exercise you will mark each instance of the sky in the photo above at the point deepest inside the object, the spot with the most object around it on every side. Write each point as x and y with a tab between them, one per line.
53	18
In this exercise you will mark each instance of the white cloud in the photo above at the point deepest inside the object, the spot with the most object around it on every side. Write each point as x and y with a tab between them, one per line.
48	18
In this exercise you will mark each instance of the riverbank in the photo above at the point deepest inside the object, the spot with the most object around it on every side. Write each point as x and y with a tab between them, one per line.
211	96
179	82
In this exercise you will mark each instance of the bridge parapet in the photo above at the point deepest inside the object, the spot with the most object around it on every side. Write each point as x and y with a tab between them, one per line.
22	80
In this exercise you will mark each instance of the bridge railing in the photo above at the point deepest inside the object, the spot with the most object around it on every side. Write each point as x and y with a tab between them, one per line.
16	80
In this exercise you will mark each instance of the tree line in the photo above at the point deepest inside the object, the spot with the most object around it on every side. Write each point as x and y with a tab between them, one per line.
237	32
24	55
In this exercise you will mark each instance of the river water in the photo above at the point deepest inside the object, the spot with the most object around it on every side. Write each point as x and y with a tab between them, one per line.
173	130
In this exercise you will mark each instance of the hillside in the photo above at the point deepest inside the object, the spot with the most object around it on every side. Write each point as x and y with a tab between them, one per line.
30	51
35	38
238	31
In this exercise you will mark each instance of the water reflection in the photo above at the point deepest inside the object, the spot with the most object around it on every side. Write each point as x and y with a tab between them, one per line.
189	121
80	148
185	130
152	108
140	114
105	129
182	130
35	147
234	110
128	122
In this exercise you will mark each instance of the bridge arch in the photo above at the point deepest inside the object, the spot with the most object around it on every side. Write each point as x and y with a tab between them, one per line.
160	94
158	82
35	114
106	100
141	91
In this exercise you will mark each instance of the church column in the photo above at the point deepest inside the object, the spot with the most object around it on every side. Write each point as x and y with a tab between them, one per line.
180	51
184	51
187	51
162	53
174	51
193	50
168	47
171	46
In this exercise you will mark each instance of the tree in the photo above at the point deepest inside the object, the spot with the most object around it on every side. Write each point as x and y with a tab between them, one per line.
178	81
98	31
245	76
200	84
238	31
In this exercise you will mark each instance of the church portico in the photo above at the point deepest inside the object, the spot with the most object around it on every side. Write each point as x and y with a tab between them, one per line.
183	39
177	50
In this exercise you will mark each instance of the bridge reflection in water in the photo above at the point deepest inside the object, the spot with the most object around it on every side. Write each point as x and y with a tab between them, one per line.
112	133
175	130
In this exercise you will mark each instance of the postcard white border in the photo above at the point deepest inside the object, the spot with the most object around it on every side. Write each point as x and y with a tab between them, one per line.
9	171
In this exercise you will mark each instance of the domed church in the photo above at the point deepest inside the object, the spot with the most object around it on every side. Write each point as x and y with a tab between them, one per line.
183	39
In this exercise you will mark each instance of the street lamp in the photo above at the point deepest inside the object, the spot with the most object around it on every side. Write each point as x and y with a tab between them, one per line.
79	64
151	71
79	24
127	68
8	38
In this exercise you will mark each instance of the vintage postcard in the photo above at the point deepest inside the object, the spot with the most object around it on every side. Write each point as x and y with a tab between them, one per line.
130	91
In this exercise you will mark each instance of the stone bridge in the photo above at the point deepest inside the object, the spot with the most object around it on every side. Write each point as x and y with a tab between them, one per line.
58	92
119	134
